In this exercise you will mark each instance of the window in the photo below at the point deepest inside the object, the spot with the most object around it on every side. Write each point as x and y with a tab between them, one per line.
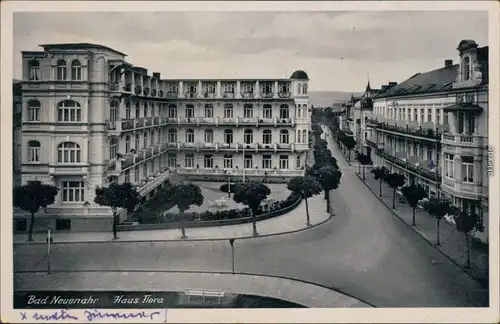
228	111
34	110
68	152
283	161
228	136
228	161
305	89
248	88
189	161
304	111
73	191
297	162
34	151
284	87
266	161
209	136
209	111
113	143
284	138
112	179
209	88
298	111
208	161
468	169
127	110
172	160
470	125
76	70
137	142
268	111
422	115
189	111
449	166
145	109
304	136
248	136
172	136
248	111
438	116
62	72
127	144
466	68
189	136
267	87
267	136
445	118
192	88
113	111
415	114
248	161
137	110
34	70
172	111
69	111
145	172
229	87
145	140
284	111
429	115
429	154
299	138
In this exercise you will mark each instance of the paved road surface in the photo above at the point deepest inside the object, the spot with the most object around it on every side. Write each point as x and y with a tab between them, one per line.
364	251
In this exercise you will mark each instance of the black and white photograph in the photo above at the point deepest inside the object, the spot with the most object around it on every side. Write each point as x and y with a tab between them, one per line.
270	162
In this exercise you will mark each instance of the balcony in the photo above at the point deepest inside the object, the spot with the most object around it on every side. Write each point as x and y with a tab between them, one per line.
284	95
247	95
127	161
128	124
229	95
236	172
113	86
153	93
148	121
462	189
433	176
266	95
138	90
284	147
227	121
210	95
127	87
285	121
146	91
248	121
473	141
160	94
68	169
156	121
172	94
418	132
377	146
190	94
266	146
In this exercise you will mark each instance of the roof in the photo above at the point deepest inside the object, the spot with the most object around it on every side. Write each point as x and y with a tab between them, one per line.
299	74
49	47
432	81
463	107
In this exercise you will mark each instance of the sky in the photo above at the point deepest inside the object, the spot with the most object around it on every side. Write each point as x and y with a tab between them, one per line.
339	50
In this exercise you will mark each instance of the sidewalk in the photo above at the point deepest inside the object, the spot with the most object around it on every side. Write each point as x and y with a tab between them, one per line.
453	243
295	291
331	142
293	221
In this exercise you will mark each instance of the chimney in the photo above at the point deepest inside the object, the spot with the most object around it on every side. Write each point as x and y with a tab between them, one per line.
383	88
392	84
448	63
156	75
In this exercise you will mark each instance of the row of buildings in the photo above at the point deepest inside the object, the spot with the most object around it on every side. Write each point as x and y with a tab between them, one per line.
90	118
433	127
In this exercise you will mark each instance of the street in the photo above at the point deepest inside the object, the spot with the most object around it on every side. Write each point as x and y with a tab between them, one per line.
364	251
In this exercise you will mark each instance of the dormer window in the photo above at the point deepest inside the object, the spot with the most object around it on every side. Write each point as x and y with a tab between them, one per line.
466	68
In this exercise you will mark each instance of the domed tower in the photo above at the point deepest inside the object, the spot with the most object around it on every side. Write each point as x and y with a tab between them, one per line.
300	92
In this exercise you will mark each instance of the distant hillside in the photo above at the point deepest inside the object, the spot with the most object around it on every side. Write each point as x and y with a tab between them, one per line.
327	98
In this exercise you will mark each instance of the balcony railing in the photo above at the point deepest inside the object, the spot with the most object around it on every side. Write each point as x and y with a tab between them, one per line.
209	95
421	132
190	94
138	90
239	172
148	121
284	94
172	94
146	91
463	140
247	95
153	93
127	87
433	176
229	95
266	95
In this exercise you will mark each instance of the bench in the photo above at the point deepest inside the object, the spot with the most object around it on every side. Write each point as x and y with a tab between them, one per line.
204	293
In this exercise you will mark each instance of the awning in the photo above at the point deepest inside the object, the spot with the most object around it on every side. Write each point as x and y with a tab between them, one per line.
463	107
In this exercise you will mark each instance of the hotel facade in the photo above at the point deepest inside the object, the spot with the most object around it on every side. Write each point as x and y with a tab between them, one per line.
433	128
90	118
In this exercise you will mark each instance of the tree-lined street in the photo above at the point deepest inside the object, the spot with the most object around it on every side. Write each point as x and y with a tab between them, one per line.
364	251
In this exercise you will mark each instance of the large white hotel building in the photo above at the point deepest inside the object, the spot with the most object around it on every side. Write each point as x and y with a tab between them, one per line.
90	118
433	127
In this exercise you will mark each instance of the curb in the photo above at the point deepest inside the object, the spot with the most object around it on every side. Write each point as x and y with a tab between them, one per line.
185	240
476	278
210	272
